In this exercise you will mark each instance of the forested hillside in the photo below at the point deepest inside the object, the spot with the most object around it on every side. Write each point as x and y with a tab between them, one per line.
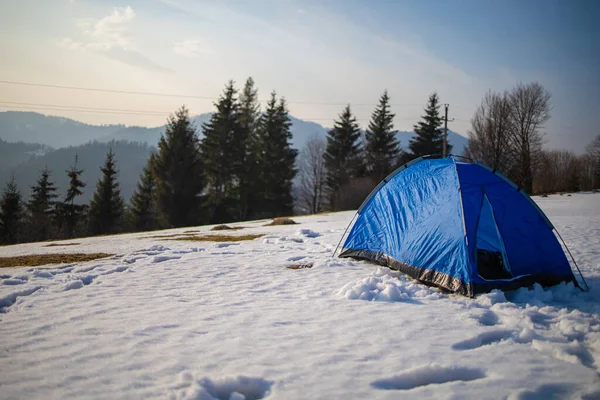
130	159
13	154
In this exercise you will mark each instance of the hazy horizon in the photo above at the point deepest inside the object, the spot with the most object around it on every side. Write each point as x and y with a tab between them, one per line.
319	56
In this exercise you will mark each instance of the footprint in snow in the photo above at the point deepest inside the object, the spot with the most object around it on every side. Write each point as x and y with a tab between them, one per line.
573	352
86	269
561	390
42	274
81	282
429	375
159	259
227	388
187	251
8	300
154	250
308	233
487	318
133	259
121	268
297	258
484	339
13	282
222	245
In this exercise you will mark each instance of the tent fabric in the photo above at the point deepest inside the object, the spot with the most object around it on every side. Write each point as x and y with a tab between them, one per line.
436	219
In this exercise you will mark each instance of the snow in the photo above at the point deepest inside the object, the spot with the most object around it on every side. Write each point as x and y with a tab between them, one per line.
205	320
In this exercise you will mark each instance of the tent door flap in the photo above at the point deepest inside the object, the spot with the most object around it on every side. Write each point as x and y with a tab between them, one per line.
492	263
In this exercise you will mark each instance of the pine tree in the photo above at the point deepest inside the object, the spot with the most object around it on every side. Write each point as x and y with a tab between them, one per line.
106	207
11	213
247	168
381	146
342	155
69	213
178	174
142	206
42	208
219	151
429	137
276	159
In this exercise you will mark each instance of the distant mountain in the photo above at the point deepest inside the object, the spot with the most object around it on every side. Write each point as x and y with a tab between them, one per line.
458	141
61	132
301	131
137	134
56	132
130	157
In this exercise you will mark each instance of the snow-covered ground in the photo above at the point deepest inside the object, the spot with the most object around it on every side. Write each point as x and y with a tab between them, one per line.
203	320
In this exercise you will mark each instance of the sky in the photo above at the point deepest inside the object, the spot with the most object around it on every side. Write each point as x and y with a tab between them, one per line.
319	55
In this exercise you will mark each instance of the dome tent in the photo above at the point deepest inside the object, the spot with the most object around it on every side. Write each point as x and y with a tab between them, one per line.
460	226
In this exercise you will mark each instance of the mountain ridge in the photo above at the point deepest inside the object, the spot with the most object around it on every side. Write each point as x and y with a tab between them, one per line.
59	132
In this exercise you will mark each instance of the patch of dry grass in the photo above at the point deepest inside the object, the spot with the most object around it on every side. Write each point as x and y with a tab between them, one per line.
226	228
35	260
299	266
62	244
282	221
217	238
169	236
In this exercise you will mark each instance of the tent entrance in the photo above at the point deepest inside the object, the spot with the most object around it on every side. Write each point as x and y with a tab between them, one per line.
490	256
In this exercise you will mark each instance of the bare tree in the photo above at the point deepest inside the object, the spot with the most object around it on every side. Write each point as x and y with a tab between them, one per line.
588	170
490	131
593	151
312	175
530	110
560	171
593	148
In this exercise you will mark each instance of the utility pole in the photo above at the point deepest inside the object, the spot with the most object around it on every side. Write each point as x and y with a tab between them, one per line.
445	131
445	151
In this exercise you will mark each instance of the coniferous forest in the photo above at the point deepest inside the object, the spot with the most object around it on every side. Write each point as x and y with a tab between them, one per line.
240	165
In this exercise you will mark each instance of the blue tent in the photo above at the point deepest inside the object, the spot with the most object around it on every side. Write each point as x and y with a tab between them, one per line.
460	226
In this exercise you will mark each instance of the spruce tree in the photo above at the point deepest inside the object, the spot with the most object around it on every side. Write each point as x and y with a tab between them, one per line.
177	172
106	207
42	208
276	159
11	213
381	146
247	167
142	207
342	155
69	213
219	150
429	137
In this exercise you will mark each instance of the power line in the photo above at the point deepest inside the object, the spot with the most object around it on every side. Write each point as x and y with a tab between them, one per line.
101	110
118	110
35	108
89	89
30	108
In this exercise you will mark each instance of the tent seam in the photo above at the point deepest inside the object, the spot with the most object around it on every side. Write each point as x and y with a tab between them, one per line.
462	213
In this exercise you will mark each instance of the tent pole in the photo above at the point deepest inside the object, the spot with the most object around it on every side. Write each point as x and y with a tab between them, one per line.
342	238
587	288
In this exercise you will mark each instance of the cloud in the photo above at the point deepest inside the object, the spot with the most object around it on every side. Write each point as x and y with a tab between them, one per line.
69	43
108	32
135	59
192	48
111	37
